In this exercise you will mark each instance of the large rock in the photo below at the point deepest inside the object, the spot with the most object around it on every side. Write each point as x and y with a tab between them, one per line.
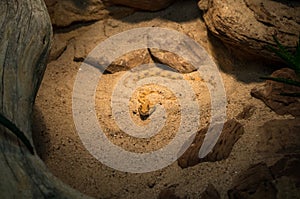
255	182
168	193
210	193
270	93
25	41
281	180
67	12
64	13
153	5
279	136
250	24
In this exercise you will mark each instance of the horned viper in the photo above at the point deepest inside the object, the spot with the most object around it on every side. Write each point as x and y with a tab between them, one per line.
146	103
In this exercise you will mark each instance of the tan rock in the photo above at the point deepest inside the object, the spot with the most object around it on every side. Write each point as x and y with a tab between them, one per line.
64	13
279	136
172	60
168	193
57	48
153	5
232	131
260	181
210	193
250	24
129	61
255	182
140	57
247	112
270	93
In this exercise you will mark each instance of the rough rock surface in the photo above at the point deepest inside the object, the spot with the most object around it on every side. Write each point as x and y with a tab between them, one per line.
136	58
232	131
64	13
247	112
287	166
129	61
270	91
255	182
250	24
281	180
210	193
57	48
153	5
172	60
139	57
168	193
25	42
279	136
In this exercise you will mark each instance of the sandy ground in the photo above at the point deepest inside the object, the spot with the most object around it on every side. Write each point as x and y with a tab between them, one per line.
60	147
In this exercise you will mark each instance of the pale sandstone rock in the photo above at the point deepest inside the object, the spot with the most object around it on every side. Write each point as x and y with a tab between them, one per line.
172	60
153	5
250	24
129	61
64	13
140	57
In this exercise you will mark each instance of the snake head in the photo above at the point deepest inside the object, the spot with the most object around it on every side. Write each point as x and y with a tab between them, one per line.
144	110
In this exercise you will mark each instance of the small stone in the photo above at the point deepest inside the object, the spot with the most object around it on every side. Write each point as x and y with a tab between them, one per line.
232	131
247	112
270	93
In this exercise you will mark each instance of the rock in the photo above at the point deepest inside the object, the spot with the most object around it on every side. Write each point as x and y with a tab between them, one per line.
123	63
246	113
129	61
153	5
168	193
57	48
25	40
140	57
80	50
279	136
210	193
172	60
287	188
270	91
287	166
281	180
250	24
287	174
232	131
255	182
64	13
